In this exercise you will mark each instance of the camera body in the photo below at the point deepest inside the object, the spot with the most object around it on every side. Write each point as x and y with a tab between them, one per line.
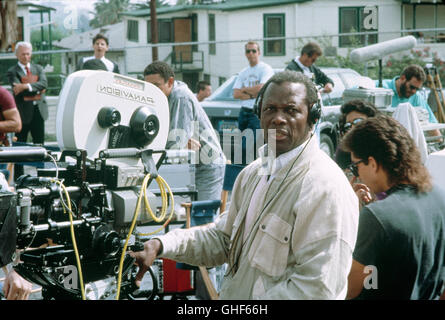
81	205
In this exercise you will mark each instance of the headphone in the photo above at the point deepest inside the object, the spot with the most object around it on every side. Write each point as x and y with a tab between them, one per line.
313	116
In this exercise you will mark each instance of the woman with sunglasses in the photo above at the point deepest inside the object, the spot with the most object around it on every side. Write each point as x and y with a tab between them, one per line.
352	113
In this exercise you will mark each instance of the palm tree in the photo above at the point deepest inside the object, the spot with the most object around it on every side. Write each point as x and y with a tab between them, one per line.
108	12
146	5
8	24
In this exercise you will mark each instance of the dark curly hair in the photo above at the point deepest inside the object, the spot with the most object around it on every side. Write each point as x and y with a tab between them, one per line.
161	68
390	144
415	71
358	105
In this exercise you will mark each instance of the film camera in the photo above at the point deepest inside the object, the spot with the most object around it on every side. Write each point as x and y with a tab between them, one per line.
74	220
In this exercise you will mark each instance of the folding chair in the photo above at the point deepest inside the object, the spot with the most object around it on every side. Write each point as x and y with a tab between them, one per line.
200	213
230	174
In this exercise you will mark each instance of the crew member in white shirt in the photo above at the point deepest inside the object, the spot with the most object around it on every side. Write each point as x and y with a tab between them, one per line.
247	86
100	46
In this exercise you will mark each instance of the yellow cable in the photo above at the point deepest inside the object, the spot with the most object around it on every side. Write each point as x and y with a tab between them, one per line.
136	213
161	182
161	217
73	237
171	212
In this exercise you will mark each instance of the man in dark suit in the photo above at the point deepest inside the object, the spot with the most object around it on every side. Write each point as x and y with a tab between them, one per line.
100	46
305	64
29	97
28	83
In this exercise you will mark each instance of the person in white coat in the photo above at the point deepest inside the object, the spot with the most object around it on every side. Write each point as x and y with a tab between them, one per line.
291	226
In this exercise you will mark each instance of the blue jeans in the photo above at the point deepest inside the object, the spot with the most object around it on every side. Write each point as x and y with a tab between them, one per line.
248	120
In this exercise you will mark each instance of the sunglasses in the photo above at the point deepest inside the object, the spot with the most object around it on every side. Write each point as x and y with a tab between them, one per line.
348	125
250	50
414	88
354	168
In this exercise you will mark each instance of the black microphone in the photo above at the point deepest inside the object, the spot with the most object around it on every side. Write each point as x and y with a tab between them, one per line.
24	154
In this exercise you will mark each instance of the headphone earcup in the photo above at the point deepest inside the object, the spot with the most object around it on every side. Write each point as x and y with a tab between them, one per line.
256	107
315	113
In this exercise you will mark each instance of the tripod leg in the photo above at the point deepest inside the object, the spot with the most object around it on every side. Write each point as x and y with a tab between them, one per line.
439	114
439	86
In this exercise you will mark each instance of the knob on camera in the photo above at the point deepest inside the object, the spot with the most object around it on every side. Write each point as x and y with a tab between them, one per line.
144	126
108	117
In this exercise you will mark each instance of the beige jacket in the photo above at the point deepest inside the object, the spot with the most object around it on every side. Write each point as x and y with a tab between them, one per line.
300	244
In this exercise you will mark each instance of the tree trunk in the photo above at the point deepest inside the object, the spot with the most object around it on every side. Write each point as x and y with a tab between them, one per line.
8	24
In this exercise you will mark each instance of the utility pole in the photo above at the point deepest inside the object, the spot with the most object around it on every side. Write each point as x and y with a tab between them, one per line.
154	29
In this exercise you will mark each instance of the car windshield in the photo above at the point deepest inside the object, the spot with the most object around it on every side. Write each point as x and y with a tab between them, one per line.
335	97
225	91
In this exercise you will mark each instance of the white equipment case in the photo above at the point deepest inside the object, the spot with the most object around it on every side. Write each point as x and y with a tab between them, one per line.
380	97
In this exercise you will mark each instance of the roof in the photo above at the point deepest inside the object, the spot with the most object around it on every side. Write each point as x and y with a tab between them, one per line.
228	5
83	41
422	2
37	6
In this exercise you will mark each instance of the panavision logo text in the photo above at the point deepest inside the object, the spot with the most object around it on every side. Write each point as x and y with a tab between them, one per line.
120	93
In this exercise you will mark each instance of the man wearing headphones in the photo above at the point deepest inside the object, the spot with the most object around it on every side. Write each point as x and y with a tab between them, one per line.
292	222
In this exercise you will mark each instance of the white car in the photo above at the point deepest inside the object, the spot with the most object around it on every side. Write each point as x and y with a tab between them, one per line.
223	109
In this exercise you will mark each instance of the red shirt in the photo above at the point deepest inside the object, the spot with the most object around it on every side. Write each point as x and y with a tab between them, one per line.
6	101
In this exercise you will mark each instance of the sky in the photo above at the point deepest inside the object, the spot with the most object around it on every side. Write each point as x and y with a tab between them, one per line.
89	4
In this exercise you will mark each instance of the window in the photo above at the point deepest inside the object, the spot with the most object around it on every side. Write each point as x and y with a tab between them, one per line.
274	27
133	30
221	80
20	29
352	20
165	33
212	46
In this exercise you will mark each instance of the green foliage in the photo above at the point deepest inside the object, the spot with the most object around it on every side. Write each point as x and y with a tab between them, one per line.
108	12
57	33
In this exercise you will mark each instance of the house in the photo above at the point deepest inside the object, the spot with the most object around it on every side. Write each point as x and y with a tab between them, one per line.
217	32
81	45
24	12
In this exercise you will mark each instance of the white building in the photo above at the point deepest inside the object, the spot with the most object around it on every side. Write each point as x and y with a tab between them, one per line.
232	22
24	10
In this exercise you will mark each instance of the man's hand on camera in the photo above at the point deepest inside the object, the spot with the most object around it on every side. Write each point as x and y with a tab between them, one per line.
145	258
15	287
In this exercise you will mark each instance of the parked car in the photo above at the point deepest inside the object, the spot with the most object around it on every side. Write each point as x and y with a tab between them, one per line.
223	109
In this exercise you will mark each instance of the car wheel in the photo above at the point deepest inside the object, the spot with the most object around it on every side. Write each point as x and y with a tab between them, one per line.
327	145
